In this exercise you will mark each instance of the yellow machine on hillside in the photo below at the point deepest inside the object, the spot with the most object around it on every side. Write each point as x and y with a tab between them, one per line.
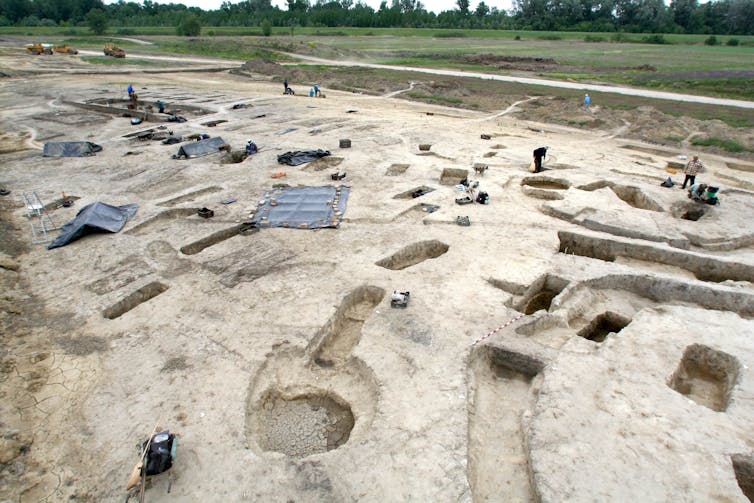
112	50
64	49
38	48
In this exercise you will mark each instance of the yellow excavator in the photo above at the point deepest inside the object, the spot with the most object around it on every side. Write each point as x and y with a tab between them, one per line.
38	48
112	50
64	49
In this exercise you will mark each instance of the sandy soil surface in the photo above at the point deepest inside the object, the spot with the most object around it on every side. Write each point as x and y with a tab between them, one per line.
586	338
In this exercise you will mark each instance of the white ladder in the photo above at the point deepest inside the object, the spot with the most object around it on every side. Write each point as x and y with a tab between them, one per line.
41	222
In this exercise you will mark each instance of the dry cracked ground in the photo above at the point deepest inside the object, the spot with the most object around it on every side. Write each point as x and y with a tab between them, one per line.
587	338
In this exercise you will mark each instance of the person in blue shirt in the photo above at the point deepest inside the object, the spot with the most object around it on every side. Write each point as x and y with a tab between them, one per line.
130	89
587	100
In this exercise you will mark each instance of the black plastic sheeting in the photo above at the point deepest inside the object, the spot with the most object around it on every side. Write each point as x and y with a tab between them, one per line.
200	148
302	207
301	156
95	217
70	149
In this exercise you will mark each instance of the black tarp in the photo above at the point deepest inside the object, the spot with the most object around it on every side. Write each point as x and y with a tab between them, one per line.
95	217
301	156
201	148
302	207
70	149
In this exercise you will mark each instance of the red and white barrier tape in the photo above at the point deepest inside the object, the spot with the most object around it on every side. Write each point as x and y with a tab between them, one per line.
493	332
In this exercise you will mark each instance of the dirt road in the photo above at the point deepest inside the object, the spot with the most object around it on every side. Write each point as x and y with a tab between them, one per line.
628	91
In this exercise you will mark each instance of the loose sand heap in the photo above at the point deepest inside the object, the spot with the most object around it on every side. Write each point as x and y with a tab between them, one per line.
275	354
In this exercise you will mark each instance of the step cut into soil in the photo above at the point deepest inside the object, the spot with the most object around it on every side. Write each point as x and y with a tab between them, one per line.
342	332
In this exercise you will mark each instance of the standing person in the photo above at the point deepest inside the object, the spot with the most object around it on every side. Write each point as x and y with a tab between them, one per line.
130	90
539	154
285	86
693	167
587	100
316	91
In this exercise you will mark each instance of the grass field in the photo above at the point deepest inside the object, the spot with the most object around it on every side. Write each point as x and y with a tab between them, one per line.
685	65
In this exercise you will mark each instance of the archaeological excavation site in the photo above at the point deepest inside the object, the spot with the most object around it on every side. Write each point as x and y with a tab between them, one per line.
359	297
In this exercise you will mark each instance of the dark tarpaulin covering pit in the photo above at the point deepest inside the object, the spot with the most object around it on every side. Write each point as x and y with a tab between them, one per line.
302	207
201	148
70	149
95	217
301	156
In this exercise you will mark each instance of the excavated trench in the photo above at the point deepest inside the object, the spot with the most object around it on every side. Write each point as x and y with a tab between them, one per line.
543	182
663	290
500	390
414	254
234	157
704	267
540	294
396	169
635	197
743	466
190	196
212	239
300	425
172	214
603	325
630	195
453	176
706	376
688	210
342	332
133	300
414	193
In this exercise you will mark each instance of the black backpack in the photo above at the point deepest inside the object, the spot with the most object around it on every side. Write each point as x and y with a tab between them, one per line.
159	458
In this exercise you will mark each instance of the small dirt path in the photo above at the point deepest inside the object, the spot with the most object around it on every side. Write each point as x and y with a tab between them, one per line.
396	93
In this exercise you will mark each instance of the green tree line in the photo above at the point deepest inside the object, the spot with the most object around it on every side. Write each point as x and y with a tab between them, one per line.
725	17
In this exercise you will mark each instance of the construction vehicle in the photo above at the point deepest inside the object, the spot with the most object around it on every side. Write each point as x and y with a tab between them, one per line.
112	50
64	49
38	48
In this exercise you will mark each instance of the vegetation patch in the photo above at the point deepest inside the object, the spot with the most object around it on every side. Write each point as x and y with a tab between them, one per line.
727	145
104	60
220	49
450	34
433	98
